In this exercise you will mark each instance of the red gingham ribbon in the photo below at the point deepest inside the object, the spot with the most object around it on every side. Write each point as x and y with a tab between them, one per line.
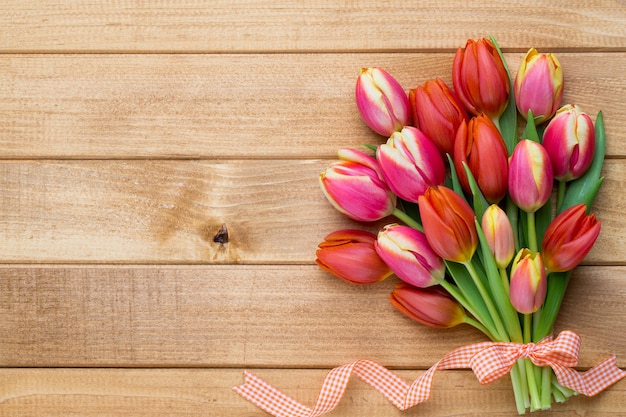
488	360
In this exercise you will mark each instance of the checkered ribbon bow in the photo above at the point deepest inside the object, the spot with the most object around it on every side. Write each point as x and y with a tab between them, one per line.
488	360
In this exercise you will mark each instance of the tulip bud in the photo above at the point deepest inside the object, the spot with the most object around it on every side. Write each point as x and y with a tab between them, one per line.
410	163
499	234
569	238
432	306
480	79
539	85
351	256
530	176
528	282
409	255
448	224
354	186
437	112
383	104
480	145
570	141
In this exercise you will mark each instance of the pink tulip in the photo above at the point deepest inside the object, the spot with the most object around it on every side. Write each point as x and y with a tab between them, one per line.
448	224
410	163
480	79
569	238
351	256
499	234
436	111
570	141
480	146
539	85
383	104
528	282
530	176
409	255
354	186
432	307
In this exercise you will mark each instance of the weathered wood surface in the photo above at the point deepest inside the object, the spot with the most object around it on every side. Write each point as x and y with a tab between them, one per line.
130	132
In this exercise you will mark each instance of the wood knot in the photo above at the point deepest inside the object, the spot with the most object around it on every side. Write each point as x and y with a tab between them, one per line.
222	235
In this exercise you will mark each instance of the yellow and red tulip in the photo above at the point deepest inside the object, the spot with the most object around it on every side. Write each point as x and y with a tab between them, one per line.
383	104
528	281
479	144
432	307
437	112
354	186
448	223
480	79
569	238
530	176
350	255
570	142
539	85
410	163
409	255
499	234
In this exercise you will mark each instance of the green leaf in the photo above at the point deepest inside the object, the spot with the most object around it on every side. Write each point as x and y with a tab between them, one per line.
543	217
480	203
508	119
585	188
530	131
557	284
456	184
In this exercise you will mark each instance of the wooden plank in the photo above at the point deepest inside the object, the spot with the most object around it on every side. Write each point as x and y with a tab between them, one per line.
251	316
311	25
233	106
207	392
170	211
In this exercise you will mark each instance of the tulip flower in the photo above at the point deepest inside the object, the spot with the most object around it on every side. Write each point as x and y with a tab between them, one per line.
530	176
539	85
350	255
432	306
479	144
383	104
528	282
569	238
499	234
410	163
409	255
480	79
437	112
448	223
354	186
570	142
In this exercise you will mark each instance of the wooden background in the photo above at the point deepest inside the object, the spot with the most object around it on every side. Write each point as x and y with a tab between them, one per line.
131	131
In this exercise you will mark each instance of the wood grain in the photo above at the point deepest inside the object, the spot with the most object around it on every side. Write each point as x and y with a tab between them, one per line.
170	211
312	25
207	392
233	106
250	316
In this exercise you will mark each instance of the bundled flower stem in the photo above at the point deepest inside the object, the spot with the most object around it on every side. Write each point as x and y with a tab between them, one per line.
481	239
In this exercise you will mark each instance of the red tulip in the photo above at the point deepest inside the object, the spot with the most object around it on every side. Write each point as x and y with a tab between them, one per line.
528	282
448	223
354	186
530	176
432	306
383	104
351	256
409	255
480	145
480	79
569	238
570	141
410	163
436	111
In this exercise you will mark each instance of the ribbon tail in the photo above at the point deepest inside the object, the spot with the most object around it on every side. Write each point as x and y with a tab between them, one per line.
593	381
270	399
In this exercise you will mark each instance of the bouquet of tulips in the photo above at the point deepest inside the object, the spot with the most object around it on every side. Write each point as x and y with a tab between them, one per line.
487	223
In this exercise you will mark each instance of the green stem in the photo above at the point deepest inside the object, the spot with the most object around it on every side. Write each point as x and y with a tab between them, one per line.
410	221
479	326
535	399
454	291
500	330
546	388
518	389
505	279
532	232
